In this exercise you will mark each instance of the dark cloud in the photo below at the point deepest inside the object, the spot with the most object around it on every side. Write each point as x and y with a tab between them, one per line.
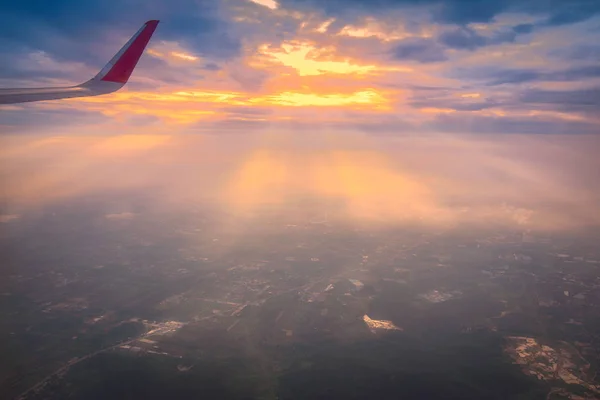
465	11
530	75
582	97
523	28
420	50
459	12
577	102
212	67
574	74
572	12
465	38
441	89
453	11
448	98
454	104
461	38
582	102
23	66
584	52
514	76
491	76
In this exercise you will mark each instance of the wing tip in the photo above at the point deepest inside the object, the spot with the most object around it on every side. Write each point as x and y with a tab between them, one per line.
121	68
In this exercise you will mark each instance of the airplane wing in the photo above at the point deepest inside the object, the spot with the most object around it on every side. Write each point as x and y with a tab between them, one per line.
111	78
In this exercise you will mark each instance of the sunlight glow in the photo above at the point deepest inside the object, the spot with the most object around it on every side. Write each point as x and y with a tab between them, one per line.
373	28
184	56
312	99
190	106
325	25
299	56
272	4
171	51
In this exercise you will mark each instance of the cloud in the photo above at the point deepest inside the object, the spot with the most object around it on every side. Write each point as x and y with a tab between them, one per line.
523	28
464	12
513	76
453	11
439	180
493	76
25	65
227	66
212	67
465	38
565	100
455	104
490	124
459	12
581	52
271	4
419	50
569	13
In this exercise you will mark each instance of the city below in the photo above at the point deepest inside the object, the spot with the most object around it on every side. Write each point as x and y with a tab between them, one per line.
101	302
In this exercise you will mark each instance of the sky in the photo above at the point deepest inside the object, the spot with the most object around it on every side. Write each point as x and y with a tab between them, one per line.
401	108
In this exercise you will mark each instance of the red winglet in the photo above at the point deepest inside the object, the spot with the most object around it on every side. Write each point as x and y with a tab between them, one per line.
123	67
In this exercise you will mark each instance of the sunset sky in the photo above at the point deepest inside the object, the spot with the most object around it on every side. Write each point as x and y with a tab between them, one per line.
396	106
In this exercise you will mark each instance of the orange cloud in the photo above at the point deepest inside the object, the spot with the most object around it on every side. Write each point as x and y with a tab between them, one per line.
374	28
189	106
171	51
368	97
272	4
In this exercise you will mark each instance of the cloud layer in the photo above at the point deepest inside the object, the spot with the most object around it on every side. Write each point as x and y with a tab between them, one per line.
528	182
350	63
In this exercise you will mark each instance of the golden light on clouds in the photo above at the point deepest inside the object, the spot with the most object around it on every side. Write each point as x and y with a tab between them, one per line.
297	57
307	59
171	51
235	98
436	110
322	28
272	4
190	106
352	81
184	56
365	97
154	53
374	28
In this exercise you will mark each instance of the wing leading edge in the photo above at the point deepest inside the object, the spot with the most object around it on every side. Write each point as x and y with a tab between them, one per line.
111	78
